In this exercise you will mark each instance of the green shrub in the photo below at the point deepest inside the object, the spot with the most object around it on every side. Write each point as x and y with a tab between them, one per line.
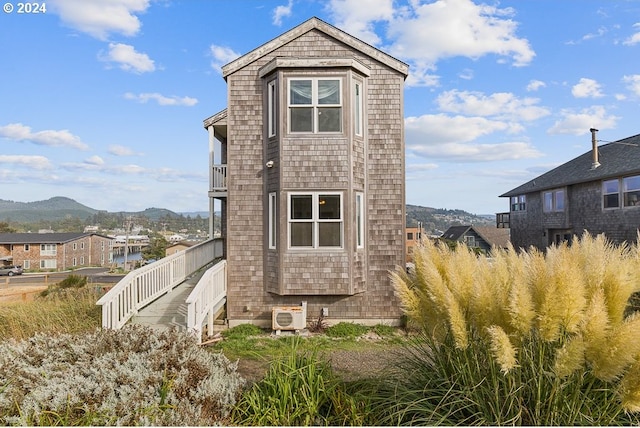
242	331
299	389
522	338
346	330
383	330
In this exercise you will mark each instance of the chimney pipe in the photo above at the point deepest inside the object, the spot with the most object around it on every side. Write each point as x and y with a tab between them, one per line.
594	146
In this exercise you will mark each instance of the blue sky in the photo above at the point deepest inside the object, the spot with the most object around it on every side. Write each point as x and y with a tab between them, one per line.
103	100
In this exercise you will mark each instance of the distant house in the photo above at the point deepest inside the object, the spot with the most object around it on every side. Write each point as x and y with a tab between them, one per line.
414	235
482	237
598	192
179	246
55	251
309	177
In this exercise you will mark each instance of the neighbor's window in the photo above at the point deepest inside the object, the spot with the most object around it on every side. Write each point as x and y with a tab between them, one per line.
272	220
553	201
631	191
26	247
272	108
611	193
357	108
48	249
359	220
48	264
315	105
26	264
315	220
74	262
518	203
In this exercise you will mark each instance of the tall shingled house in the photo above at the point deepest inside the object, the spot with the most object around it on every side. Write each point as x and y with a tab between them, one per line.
307	163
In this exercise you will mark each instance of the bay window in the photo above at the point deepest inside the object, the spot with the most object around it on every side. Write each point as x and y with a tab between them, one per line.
315	105
315	220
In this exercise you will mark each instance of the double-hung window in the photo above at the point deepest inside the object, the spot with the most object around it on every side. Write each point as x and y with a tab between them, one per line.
631	191
518	203
315	220
48	249
553	201
611	193
315	105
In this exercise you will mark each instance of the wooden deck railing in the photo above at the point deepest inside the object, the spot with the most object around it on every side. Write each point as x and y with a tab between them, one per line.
207	298
142	286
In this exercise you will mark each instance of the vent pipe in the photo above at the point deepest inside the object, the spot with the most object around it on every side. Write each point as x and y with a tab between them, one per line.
594	147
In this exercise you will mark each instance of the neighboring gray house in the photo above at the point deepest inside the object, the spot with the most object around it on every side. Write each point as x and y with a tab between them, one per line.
482	237
598	192
307	163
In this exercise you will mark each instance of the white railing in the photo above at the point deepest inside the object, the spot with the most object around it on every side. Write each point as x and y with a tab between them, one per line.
207	298
219	177
142	286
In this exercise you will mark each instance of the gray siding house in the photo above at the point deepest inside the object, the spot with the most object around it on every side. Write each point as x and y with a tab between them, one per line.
481	237
598	192
307	166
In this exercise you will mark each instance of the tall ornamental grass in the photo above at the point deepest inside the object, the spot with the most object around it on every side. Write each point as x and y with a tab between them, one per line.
519	338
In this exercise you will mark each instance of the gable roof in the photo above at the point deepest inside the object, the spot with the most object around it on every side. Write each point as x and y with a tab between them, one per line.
617	159
43	238
492	235
309	25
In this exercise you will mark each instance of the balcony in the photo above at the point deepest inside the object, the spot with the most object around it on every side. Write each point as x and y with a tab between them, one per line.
218	181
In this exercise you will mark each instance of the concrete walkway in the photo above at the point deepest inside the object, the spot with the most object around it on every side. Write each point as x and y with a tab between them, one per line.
169	310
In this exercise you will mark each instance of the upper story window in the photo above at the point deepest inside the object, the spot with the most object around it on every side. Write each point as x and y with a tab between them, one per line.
623	192
553	200
48	249
315	105
272	108
357	108
518	203
315	220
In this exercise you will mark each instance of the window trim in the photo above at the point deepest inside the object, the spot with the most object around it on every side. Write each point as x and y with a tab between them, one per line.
358	122
360	220
314	103
48	250
273	219
272	108
315	220
625	191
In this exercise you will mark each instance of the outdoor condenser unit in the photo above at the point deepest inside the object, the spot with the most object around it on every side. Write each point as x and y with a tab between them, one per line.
289	317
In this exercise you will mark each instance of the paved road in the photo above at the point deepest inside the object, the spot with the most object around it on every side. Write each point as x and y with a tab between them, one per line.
96	275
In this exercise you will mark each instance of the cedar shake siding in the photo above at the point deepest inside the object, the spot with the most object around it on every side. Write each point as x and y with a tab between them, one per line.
312	181
575	198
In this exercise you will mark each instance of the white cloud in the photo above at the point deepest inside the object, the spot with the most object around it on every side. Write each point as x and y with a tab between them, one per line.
36	162
633	83
357	17
502	105
282	12
118	150
451	138
62	138
634	39
587	88
99	18
534	85
128	59
579	123
161	99
95	160
221	55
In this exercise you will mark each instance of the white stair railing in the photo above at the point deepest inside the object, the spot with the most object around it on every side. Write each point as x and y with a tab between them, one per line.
206	299
144	285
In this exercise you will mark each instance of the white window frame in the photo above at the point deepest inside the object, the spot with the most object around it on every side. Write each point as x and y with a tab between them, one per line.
360	220
81	260
315	220
272	108
27	247
48	264
75	245
26	264
518	203
628	191
74	262
550	200
358	122
82	245
273	220
48	250
315	106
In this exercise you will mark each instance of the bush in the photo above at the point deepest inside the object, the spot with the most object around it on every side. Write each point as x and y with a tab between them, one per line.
522	338
346	330
299	389
242	331
133	376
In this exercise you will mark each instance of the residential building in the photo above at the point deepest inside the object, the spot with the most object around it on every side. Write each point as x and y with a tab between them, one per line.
179	246
414	236
55	251
597	192
482	237
307	167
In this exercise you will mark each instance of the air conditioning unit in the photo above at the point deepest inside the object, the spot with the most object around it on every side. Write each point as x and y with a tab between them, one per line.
289	317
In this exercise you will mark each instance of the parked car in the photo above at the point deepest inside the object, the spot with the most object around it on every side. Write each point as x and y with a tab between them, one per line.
10	270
